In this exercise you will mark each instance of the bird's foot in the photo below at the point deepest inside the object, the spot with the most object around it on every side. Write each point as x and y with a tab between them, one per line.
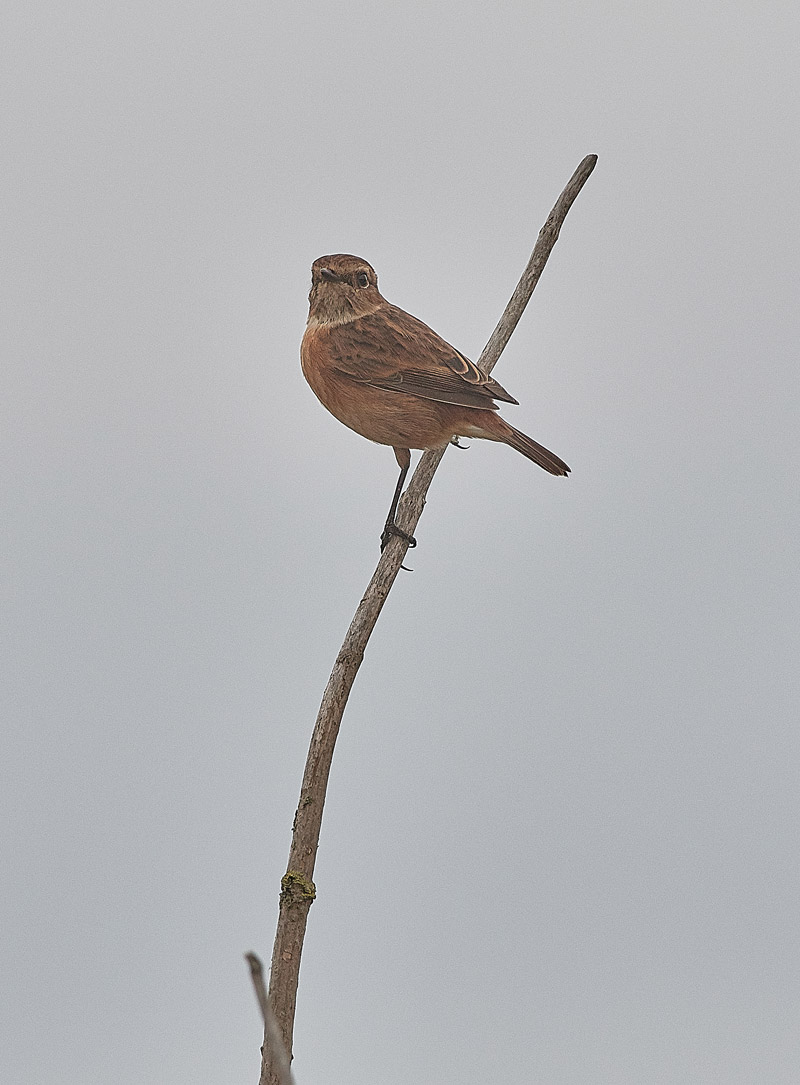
455	441
390	529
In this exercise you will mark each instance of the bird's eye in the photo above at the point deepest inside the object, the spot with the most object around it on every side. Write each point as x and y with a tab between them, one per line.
362	278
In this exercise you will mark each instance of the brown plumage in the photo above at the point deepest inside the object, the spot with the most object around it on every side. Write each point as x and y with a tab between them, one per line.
392	379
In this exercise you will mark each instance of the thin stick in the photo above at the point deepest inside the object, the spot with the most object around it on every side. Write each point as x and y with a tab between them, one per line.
297	886
273	1041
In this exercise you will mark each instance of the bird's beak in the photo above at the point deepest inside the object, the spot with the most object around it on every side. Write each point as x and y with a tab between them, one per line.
328	275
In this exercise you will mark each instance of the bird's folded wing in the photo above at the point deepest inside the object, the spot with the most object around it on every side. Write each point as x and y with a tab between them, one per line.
393	350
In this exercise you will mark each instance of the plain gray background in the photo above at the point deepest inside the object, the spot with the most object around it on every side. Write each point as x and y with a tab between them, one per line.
560	844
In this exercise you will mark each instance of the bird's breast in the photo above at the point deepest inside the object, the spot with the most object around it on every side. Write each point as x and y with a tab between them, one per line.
316	362
335	391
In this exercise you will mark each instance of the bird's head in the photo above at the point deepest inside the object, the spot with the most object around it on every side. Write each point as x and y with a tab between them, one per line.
342	288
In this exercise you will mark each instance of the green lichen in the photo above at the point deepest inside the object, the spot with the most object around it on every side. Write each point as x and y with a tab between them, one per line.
296	888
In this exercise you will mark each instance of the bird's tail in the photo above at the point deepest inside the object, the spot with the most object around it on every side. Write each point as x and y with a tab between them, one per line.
500	430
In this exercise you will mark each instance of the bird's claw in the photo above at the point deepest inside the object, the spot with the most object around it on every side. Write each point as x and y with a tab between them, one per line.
392	529
455	441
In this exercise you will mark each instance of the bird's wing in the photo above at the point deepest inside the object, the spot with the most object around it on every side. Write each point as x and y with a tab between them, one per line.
393	350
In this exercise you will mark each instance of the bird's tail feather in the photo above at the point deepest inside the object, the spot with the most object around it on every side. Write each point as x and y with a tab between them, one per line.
528	447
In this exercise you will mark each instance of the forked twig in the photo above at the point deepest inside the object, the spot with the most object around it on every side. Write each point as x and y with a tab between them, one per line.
297	886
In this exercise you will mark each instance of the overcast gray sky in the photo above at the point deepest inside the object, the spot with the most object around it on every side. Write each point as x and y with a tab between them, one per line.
560	844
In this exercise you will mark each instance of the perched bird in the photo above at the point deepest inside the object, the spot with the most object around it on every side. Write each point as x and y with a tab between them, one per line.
392	379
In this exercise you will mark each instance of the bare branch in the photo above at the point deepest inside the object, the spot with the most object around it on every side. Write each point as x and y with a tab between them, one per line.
413	501
297	886
273	1042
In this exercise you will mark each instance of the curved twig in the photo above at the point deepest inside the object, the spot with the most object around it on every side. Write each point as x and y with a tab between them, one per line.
297	887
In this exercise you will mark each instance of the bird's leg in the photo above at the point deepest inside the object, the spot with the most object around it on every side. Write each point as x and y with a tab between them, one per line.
390	527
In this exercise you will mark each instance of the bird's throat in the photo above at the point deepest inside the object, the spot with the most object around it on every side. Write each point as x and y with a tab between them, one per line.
328	308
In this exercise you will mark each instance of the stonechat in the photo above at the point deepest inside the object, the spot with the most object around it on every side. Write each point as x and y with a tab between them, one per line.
392	379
